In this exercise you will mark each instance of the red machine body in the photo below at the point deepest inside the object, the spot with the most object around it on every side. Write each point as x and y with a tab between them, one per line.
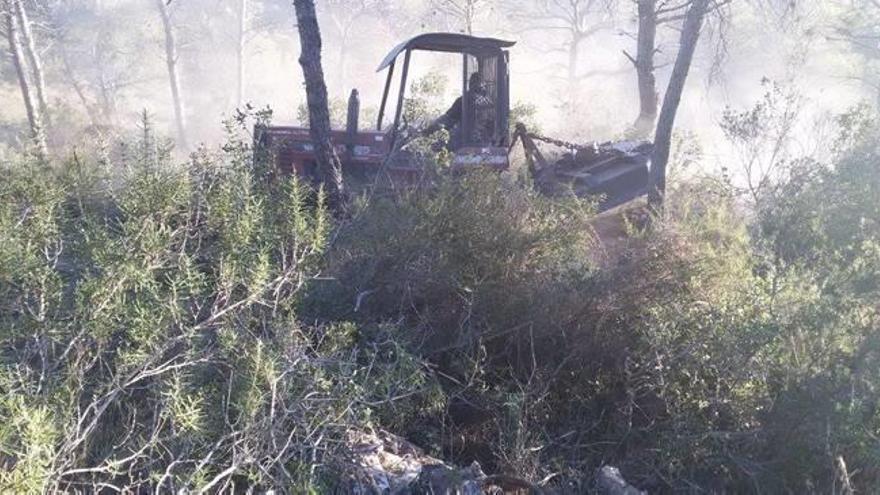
295	153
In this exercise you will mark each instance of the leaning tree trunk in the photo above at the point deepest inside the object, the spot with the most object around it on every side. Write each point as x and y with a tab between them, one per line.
644	62
33	58
690	34
70	76
240	49
329	166
27	92
173	76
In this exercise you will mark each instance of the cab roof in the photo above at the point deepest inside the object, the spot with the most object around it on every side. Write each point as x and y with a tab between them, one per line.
446	42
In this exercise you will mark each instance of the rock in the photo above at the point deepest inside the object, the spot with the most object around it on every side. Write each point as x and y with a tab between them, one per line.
610	482
442	479
381	463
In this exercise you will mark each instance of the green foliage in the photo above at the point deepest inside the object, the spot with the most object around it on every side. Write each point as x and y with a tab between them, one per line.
338	108
525	113
765	381
717	351
425	100
761	137
192	327
28	435
822	264
462	261
149	327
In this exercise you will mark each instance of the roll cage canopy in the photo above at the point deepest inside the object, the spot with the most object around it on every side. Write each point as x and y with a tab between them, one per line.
446	42
484	55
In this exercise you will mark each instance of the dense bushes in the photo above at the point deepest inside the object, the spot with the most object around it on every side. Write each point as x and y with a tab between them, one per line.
149	330
563	363
209	325
474	257
718	350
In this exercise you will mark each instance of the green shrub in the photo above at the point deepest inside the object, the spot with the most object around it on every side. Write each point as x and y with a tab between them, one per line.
149	328
202	326
460	263
715	351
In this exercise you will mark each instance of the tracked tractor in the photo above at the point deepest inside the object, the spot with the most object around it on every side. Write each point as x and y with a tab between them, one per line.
612	172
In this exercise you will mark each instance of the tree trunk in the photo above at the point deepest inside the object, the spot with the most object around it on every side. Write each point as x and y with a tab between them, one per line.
108	91
70	76
33	58
242	32
690	34
343	64
173	77
645	50
343	25
573	55
27	93
316	97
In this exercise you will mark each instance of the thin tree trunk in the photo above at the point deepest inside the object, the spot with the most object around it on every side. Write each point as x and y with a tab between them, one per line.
343	63
70	75
573	55
27	93
690	34
108	99
644	62
342	26
242	32
173	76
329	166
33	58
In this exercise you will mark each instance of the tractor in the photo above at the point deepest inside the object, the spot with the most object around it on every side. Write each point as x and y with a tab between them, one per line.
614	173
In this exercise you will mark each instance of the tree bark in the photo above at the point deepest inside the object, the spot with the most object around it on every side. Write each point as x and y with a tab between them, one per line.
27	92
242	42
644	62
173	76
36	64
690	34
329	166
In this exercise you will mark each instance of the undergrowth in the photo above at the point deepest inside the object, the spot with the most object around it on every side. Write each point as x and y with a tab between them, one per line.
210	326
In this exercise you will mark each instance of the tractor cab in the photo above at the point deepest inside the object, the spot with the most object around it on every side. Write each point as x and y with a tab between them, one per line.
480	133
480	136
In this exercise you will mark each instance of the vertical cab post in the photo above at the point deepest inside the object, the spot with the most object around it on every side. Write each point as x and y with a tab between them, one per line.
400	96
502	123
385	96
351	123
466	111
